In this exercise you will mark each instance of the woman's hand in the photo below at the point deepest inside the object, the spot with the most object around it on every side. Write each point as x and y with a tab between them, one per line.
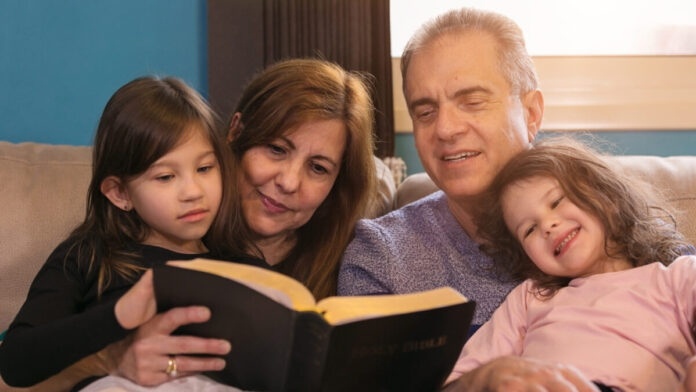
146	356
138	304
521	374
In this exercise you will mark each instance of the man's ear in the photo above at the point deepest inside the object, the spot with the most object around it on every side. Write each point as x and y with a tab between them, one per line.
235	127
533	103
114	189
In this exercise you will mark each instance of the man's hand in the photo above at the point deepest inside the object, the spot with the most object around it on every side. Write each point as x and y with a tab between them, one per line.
515	374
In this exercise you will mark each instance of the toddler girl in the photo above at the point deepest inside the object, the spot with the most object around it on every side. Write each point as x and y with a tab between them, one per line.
605	288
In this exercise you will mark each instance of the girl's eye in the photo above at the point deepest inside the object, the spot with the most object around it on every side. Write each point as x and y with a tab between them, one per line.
557	202
164	178
529	231
205	169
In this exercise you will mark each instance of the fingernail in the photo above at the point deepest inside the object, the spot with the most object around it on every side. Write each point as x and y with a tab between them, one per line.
203	312
220	364
226	346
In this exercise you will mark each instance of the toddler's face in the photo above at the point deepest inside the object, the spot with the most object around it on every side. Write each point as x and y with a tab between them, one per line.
560	238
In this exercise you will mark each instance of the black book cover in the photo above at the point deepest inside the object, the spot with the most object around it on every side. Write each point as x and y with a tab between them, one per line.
276	348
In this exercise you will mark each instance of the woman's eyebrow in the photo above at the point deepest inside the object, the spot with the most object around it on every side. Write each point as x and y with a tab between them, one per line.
288	142
325	158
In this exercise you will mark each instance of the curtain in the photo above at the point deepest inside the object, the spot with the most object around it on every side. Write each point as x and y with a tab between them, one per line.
352	33
246	35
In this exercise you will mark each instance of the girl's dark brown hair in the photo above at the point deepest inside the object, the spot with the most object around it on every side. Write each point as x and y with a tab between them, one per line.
144	120
282	97
634	217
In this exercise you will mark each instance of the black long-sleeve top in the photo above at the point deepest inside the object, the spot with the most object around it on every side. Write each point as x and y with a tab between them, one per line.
64	320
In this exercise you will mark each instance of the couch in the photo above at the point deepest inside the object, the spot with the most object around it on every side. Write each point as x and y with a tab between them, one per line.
44	187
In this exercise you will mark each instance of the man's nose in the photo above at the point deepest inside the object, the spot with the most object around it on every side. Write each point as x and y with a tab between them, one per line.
450	122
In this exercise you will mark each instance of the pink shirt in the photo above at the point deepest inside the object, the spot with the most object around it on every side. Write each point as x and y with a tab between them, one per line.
629	329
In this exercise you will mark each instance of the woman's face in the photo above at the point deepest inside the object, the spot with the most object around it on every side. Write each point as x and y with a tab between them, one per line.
285	181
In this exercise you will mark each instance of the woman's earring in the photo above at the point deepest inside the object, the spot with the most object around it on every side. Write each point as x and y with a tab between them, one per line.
126	207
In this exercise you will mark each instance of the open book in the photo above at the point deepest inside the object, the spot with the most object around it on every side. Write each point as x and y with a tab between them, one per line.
282	340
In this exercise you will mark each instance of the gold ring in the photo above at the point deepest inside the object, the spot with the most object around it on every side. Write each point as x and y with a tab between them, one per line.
172	367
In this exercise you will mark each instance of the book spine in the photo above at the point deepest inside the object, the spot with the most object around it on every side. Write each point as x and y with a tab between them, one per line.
309	348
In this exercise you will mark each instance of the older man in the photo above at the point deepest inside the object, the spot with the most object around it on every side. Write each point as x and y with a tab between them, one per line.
472	94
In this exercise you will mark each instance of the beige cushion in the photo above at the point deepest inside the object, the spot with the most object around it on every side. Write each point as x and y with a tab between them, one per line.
383	201
674	176
43	198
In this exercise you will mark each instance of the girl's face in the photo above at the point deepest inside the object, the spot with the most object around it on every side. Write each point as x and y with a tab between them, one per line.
179	195
560	238
285	181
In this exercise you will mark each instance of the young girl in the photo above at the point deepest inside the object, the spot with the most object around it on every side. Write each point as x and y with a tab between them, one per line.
606	290
156	190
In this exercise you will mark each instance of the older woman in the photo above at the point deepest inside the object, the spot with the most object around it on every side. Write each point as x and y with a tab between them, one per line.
302	152
302	139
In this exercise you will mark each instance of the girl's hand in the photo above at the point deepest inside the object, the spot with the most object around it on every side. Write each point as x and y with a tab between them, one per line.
689	383
138	304
147	353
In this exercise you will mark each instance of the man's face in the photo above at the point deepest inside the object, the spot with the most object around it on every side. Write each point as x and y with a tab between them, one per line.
466	122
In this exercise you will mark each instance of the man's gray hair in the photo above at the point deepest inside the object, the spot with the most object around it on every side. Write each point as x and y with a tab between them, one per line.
514	61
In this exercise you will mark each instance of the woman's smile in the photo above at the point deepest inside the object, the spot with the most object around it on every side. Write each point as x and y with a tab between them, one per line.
273	206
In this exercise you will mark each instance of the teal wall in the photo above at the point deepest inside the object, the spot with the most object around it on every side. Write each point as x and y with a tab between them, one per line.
60	61
661	143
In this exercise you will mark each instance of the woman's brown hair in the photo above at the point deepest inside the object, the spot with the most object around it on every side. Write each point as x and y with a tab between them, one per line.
634	217
144	120
293	92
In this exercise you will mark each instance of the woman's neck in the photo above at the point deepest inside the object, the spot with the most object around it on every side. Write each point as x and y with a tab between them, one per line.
275	249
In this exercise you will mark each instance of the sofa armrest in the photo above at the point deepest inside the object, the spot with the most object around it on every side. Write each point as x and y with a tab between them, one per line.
414	187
